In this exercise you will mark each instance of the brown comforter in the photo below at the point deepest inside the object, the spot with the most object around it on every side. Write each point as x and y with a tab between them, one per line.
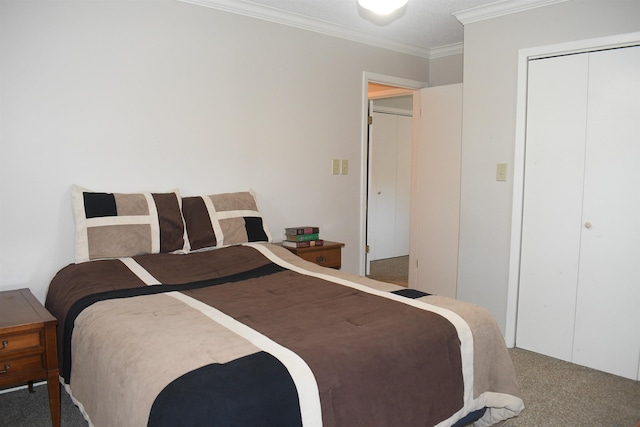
253	335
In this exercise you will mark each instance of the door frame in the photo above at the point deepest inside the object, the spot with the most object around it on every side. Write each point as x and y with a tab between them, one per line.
524	55
369	77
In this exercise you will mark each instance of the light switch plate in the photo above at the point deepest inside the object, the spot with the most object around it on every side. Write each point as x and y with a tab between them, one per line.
335	167
501	172
345	167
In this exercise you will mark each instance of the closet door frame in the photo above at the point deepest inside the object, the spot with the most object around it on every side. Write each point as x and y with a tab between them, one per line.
524	55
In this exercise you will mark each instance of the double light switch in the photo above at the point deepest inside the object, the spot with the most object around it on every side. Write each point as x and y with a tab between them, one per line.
339	167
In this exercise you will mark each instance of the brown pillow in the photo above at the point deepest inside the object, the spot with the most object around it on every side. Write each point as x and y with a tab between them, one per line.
116	225
219	220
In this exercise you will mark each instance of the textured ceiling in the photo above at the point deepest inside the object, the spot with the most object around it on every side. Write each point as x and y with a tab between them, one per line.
425	24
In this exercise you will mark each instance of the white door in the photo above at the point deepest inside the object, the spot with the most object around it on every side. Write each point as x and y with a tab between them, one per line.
609	275
435	212
389	186
580	277
552	209
403	187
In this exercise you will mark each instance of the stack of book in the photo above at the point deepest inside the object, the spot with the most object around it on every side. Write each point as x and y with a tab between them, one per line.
302	237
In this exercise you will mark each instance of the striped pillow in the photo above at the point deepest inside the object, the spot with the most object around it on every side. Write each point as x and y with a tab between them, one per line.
223	219
115	225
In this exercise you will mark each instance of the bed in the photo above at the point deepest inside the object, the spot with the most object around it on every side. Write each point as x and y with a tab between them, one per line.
231	330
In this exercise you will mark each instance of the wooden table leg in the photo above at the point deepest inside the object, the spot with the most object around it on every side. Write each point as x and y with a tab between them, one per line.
53	385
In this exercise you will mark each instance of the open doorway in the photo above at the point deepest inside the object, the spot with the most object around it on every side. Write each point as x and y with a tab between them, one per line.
390	112
382	86
435	183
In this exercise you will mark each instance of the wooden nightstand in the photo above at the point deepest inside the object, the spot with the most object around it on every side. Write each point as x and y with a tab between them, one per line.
327	255
28	349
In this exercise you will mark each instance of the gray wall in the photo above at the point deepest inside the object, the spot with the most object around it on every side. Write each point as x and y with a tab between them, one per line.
155	95
489	122
446	70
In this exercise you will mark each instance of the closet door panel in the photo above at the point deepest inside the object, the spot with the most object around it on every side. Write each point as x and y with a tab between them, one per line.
403	186
389	186
382	188
607	334
552	210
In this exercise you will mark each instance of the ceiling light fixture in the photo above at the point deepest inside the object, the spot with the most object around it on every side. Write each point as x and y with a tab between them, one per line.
382	7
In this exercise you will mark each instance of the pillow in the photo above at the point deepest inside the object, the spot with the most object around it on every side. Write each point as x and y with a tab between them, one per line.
116	225
223	219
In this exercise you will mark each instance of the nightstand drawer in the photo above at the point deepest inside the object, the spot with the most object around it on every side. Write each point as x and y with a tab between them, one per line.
28	350
21	341
19	365
325	258
327	255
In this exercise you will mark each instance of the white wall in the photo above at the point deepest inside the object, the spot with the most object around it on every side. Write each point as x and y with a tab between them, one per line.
489	120
141	95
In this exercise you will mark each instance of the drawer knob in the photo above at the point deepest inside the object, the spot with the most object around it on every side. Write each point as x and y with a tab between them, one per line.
6	368
321	259
5	344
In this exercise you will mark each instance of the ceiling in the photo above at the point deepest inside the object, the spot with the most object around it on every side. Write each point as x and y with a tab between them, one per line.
422	27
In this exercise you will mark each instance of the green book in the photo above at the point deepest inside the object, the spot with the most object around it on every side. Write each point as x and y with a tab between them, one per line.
302	237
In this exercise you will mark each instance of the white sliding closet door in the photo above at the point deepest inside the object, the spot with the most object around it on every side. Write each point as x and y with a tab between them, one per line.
580	272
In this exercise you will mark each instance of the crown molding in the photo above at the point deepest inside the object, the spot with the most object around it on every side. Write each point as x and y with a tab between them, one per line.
447	50
306	23
500	8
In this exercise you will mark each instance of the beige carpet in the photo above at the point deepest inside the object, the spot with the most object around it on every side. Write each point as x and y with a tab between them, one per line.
391	270
558	393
